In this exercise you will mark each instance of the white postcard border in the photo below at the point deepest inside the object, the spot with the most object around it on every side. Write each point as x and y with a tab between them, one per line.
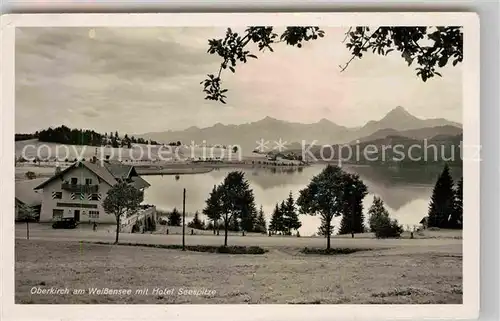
468	310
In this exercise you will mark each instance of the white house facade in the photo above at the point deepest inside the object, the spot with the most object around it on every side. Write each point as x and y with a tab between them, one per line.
79	191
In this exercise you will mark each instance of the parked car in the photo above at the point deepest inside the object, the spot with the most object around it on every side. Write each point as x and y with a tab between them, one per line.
66	222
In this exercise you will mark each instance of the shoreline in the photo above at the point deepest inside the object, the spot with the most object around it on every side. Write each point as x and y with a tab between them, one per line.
171	168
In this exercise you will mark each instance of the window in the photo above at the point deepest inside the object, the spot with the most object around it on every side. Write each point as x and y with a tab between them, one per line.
74	180
95	197
88	181
56	195
77	205
93	214
57	213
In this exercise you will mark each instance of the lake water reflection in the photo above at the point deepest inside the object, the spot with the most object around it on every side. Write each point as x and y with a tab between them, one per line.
406	193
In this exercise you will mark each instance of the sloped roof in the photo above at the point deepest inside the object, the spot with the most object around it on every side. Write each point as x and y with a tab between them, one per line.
110	173
26	194
138	182
101	172
118	170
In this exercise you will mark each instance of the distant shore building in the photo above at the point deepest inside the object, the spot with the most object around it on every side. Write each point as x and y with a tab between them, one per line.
79	190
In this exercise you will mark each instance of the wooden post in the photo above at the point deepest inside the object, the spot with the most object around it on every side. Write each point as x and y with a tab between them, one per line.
184	220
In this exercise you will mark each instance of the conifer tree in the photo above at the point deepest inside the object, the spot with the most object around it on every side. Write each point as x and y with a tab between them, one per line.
376	213
213	208
276	223
290	216
261	225
442	202
174	218
248	213
457	216
196	223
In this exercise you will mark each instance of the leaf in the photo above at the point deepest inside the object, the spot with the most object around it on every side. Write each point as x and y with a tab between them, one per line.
252	56
222	101
388	51
443	61
232	69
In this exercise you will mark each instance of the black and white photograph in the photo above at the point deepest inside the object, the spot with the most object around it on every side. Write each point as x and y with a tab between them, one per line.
243	164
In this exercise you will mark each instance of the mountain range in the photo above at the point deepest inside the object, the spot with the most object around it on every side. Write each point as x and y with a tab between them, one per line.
398	122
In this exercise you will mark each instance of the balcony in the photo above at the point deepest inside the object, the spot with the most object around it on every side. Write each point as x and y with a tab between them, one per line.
80	188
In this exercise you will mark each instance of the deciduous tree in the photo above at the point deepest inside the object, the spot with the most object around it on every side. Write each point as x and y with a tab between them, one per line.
352	215
324	196
236	199
121	199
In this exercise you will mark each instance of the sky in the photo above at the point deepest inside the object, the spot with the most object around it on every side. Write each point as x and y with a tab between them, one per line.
137	80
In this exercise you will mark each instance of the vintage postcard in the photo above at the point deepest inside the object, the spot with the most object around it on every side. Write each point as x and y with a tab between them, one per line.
251	164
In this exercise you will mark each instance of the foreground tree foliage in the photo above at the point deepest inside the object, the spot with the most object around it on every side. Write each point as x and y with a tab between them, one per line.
426	48
121	199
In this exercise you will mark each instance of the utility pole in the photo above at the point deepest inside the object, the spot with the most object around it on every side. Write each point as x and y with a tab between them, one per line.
184	220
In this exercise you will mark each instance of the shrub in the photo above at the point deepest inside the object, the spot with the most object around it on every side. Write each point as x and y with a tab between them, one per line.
162	222
388	229
199	248
30	175
333	251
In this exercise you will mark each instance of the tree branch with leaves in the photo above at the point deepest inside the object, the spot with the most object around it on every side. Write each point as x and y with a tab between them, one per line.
427	48
121	199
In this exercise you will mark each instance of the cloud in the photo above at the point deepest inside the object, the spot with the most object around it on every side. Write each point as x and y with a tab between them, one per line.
90	113
147	79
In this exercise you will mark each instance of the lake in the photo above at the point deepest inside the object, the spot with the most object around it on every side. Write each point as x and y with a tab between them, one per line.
405	192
